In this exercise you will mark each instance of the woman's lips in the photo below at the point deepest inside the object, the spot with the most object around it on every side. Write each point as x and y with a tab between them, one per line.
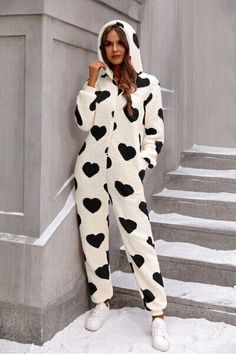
116	56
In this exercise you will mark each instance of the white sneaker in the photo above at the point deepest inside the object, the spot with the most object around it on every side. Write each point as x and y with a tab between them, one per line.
160	337
97	316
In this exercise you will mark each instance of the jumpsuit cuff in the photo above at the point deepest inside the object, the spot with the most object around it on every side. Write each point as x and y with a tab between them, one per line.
88	88
157	313
86	96
151	162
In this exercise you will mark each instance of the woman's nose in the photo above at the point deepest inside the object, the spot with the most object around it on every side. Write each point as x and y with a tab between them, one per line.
115	47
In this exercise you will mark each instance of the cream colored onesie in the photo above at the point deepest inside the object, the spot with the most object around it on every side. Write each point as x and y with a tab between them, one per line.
110	168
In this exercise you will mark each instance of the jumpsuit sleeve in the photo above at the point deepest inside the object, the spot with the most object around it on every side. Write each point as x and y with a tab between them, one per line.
85	111
153	139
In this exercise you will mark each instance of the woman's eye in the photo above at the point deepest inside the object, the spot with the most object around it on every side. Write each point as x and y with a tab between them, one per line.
107	44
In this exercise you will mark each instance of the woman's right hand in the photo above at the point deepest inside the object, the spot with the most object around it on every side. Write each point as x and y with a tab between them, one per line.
94	68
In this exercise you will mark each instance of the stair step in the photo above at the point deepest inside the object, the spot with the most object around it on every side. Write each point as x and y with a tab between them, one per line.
221	205
184	299
188	262
202	180
200	231
216	151
202	156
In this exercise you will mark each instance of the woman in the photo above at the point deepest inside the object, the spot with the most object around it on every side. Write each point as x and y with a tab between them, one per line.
122	110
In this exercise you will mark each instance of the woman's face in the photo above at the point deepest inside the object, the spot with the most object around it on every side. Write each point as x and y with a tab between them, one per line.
115	51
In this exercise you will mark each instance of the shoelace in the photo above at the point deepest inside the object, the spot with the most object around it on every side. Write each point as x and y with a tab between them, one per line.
159	329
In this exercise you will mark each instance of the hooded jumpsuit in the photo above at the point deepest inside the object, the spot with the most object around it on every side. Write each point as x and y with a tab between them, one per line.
110	168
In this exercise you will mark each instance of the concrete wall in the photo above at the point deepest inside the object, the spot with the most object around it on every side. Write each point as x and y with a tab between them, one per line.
206	73
214	72
159	53
184	77
21	110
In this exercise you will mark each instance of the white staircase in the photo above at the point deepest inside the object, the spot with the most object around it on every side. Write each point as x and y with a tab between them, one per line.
194	227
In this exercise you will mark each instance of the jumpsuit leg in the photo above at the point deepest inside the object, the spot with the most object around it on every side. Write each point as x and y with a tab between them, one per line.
92	204
135	229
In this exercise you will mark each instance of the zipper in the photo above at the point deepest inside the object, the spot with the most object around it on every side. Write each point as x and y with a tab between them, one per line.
111	132
113	120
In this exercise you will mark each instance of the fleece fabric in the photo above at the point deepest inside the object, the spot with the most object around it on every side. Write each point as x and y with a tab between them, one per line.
110	168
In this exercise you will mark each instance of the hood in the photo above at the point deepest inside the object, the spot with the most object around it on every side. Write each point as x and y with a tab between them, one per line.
133	45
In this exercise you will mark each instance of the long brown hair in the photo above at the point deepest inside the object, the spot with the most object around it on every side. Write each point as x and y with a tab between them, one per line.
128	73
